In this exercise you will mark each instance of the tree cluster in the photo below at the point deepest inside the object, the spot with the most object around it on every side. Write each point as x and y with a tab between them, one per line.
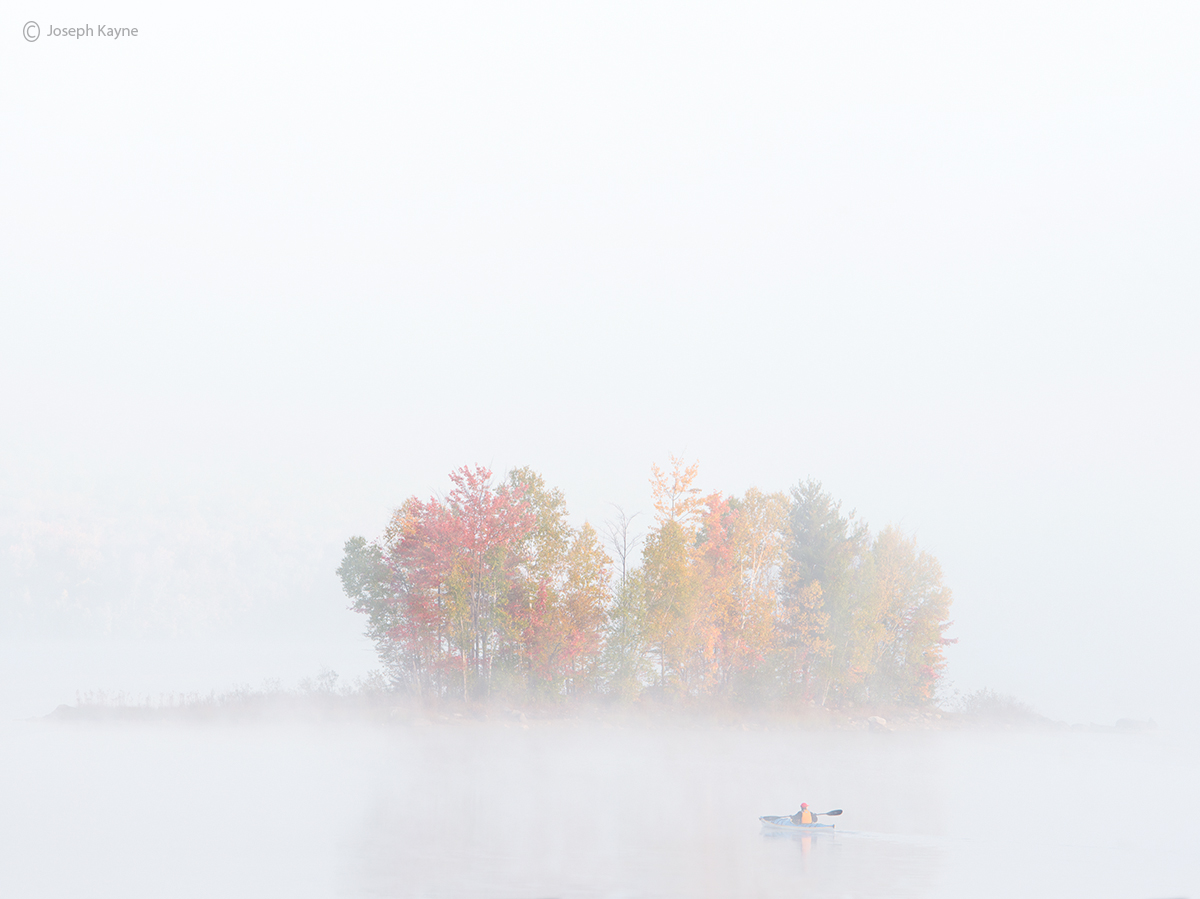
491	591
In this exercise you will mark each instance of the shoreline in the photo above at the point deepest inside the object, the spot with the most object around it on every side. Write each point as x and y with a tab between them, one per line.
390	710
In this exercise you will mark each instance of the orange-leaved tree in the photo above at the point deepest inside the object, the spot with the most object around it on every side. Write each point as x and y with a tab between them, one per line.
680	623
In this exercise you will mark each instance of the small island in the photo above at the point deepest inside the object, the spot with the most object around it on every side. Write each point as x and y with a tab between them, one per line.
489	594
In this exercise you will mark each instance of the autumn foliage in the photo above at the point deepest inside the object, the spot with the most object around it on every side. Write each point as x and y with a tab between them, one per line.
490	590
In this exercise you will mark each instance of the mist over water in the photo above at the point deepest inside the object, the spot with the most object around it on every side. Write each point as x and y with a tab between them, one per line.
577	808
265	273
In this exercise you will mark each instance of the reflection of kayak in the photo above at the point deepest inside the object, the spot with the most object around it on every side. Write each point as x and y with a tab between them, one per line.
784	822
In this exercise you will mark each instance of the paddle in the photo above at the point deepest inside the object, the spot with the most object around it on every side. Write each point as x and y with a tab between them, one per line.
830	814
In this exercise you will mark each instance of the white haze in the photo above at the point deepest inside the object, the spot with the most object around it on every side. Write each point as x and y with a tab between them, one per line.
576	810
267	271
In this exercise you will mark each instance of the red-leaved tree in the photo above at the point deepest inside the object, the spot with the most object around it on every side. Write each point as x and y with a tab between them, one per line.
456	561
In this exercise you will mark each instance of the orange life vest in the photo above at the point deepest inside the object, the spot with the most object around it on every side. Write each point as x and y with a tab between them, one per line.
806	817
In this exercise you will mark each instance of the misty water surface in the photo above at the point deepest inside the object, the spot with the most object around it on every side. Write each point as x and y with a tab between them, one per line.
565	808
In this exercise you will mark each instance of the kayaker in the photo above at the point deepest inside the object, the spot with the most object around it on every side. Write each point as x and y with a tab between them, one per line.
804	816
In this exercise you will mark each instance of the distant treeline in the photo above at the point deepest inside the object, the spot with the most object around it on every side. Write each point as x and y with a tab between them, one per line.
491	592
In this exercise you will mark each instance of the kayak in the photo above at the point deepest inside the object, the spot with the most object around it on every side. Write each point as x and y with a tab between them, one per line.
784	822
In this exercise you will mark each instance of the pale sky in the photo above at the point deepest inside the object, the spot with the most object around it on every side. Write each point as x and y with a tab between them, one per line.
265	272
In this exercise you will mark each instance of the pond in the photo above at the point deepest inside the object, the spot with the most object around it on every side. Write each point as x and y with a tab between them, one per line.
584	808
